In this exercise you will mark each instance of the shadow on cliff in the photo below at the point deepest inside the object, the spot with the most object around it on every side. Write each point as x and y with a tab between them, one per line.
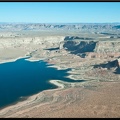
79	48
109	65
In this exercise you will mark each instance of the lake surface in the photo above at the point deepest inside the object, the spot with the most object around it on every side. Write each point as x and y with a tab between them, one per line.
24	78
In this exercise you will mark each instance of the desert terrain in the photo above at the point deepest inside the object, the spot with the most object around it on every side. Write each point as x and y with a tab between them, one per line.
92	51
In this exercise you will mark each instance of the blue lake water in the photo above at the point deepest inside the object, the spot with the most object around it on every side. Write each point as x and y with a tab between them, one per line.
24	78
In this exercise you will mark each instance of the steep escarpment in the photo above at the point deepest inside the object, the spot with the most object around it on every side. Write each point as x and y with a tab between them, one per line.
92	46
12	48
109	64
16	42
107	46
80	47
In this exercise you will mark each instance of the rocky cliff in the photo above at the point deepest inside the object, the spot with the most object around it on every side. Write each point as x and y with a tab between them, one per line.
92	46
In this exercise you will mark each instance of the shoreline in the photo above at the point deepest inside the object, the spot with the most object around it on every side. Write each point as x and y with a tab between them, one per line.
11	60
29	99
32	97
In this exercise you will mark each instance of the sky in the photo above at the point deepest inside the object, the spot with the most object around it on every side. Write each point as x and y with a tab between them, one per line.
60	12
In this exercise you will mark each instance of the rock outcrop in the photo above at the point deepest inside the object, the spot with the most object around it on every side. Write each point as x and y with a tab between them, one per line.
109	65
80	47
95	48
115	64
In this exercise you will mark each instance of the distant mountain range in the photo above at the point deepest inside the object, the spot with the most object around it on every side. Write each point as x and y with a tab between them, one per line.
68	26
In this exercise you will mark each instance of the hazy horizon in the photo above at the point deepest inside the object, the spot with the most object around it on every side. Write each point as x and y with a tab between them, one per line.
59	23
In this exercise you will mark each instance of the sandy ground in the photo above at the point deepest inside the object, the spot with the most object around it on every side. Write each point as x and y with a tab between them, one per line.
97	97
102	102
